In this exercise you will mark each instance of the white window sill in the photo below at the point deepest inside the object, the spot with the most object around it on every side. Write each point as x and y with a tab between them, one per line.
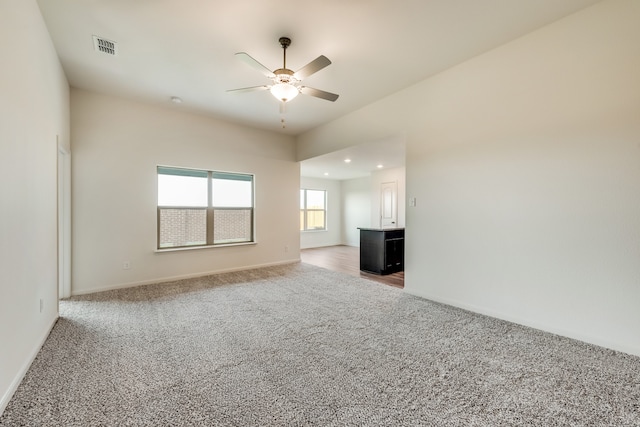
193	248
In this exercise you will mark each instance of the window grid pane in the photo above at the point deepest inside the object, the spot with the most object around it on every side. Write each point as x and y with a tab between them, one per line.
182	191
315	199
232	225
315	220
182	227
227	193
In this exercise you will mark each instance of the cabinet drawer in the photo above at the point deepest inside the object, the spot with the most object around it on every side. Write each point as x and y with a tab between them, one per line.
394	234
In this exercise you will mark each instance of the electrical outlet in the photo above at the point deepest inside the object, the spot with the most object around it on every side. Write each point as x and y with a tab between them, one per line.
126	265
286	249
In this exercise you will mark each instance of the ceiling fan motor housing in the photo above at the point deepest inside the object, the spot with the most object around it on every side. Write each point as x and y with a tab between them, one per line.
285	42
284	75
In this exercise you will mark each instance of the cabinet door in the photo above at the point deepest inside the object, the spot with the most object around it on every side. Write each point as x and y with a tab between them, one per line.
394	255
371	251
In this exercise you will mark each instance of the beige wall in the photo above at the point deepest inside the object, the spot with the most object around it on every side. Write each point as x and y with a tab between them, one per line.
117	145
34	116
525	164
356	197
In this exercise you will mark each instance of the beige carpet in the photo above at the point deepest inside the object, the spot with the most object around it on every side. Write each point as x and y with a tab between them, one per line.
299	345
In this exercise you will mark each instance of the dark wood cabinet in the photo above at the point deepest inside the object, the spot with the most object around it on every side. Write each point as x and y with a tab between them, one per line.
382	250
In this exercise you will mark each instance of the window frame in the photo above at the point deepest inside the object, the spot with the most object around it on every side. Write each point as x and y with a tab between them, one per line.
210	210
305	209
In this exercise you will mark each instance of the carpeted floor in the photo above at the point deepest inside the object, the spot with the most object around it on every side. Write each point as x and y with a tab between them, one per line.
299	345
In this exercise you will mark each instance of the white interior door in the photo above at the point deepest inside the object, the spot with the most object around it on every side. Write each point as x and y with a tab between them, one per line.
389	204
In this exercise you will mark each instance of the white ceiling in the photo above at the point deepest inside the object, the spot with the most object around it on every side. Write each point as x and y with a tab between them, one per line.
363	159
186	48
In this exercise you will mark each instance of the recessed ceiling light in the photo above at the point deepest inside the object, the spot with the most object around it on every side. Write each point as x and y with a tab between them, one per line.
176	100
380	166
326	174
347	160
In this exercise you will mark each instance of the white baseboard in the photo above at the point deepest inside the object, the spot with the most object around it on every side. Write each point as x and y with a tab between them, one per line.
25	367
180	277
629	349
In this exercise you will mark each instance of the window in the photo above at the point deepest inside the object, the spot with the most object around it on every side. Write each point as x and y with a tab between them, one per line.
203	208
313	210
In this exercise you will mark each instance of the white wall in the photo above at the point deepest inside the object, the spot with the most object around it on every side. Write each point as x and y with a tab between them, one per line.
356	208
525	163
397	175
34	113
117	145
332	235
353	204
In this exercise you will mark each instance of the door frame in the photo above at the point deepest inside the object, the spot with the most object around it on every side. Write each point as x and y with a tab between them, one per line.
64	221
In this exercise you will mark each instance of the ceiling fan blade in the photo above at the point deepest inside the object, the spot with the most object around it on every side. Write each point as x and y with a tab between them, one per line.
249	89
247	59
316	65
319	93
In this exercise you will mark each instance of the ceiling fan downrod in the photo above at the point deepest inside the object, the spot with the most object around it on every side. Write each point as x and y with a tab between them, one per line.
285	42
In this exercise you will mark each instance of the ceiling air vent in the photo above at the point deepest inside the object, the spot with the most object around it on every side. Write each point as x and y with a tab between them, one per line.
105	46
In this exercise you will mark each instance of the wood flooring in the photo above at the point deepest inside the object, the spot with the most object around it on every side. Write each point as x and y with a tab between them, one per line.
346	259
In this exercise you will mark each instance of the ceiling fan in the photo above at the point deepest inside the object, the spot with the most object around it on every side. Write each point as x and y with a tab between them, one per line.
286	83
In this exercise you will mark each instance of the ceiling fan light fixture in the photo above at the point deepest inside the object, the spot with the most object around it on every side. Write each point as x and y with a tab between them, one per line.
284	91
286	82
